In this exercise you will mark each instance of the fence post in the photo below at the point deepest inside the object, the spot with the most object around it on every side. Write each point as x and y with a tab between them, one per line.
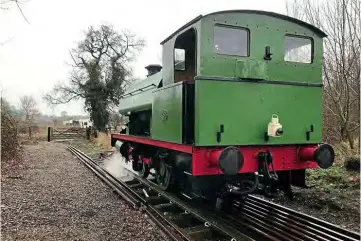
88	132
49	132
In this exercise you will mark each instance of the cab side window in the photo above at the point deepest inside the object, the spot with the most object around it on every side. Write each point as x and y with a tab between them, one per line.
179	59
185	56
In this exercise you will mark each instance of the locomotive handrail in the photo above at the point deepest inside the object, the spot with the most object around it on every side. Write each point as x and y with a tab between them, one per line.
140	89
258	81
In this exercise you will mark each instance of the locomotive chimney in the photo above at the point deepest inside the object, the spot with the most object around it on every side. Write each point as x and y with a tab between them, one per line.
153	69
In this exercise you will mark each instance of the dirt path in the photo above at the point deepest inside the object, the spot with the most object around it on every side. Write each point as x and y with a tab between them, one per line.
58	198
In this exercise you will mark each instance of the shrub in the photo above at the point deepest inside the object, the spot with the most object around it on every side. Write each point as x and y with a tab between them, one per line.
10	143
352	163
343	151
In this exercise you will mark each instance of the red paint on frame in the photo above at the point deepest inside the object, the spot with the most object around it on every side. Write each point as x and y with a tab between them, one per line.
284	158
205	159
151	142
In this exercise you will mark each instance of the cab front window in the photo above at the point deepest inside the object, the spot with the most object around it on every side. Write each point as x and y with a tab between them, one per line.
298	49
230	40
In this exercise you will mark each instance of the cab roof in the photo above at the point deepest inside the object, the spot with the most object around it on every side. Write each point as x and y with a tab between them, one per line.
273	14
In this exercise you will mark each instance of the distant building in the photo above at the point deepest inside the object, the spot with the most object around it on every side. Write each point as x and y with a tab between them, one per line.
83	123
68	122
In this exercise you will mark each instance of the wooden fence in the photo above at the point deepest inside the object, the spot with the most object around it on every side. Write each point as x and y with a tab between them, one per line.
66	133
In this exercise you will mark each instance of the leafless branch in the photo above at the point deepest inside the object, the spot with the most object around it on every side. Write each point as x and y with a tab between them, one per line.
3	6
6	41
21	11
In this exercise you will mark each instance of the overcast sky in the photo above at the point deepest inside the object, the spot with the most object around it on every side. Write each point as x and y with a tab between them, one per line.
34	58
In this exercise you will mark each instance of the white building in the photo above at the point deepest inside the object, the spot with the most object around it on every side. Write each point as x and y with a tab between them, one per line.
68	123
84	123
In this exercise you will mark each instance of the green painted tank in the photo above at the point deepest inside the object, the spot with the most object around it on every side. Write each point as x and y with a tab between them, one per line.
139	95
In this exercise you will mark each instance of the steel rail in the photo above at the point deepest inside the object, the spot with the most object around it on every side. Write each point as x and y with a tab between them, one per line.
270	221
118	187
281	223
107	179
294	223
206	216
157	203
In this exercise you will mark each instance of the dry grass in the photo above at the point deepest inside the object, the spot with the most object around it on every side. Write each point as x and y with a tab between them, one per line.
41	134
343	151
103	142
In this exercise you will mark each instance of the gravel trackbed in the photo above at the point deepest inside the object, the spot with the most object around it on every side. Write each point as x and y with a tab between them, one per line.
58	198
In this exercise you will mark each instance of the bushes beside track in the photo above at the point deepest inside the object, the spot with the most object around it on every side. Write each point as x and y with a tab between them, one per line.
10	140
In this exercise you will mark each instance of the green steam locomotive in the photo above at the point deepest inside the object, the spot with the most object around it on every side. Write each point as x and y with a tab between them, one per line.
235	108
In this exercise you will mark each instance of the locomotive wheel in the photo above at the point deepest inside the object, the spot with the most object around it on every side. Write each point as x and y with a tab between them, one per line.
224	203
145	170
163	175
137	166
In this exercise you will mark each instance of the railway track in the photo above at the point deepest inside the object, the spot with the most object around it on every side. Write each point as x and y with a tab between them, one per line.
270	221
286	224
177	219
251	219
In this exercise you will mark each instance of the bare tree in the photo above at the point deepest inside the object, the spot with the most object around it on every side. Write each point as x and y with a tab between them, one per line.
115	119
101	71
29	110
64	113
341	21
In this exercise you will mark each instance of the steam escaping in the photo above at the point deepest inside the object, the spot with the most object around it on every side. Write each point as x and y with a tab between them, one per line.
115	165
